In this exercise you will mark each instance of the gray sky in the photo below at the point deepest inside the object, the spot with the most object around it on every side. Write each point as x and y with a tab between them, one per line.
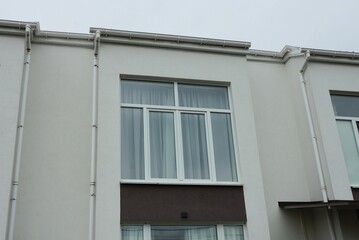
269	25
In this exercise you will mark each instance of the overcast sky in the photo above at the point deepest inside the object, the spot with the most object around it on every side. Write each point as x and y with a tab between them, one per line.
268	25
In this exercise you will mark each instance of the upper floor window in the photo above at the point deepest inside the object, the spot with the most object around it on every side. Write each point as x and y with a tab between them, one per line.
346	109
175	131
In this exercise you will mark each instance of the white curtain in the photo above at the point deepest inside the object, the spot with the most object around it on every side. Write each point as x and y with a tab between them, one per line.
233	233
200	233
183	233
350	150
223	147
194	146
132	232
162	145
203	96
132	150
153	93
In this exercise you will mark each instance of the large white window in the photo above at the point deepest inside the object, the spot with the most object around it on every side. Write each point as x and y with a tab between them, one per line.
346	109
210	232
176	132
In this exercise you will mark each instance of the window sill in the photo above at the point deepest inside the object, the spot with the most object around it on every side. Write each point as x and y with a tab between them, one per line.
201	183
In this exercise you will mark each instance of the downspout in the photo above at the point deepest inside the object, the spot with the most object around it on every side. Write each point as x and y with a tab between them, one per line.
19	136
315	143
91	235
311	128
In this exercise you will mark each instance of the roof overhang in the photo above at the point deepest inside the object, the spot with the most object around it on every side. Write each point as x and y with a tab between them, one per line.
333	204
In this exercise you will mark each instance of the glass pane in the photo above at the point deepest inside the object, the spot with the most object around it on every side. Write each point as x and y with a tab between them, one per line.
195	155
203	96
132	232
350	150
233	233
223	147
183	233
153	93
345	105
132	151
162	145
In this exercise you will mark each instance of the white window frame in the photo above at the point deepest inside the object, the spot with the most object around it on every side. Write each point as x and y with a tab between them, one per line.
354	121
177	110
146	229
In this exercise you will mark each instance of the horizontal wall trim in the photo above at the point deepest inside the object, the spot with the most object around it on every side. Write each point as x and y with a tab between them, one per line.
172	38
173	45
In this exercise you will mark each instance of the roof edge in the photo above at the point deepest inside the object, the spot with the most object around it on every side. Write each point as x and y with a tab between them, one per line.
171	38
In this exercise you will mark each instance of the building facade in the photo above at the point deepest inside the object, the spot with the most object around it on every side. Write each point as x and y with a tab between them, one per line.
127	135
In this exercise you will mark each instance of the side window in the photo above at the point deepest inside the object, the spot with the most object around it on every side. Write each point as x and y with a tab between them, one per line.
174	131
346	109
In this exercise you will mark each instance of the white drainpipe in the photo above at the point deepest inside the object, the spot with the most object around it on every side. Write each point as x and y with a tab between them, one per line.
315	144
94	138
311	128
19	136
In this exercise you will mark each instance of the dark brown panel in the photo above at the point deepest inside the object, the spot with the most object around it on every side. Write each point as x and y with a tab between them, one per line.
355	192
171	203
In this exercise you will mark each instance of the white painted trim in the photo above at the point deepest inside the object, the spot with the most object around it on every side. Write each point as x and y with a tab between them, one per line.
146	144
210	148
173	108
180	182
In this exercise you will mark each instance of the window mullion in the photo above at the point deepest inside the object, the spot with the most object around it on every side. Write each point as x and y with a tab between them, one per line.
146	135
179	146
176	94
210	147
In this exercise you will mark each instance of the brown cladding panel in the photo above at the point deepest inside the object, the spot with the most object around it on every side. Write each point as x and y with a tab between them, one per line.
355	192
171	203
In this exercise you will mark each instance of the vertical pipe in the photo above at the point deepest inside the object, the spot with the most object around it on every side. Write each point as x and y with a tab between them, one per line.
311	128
94	139
315	143
19	136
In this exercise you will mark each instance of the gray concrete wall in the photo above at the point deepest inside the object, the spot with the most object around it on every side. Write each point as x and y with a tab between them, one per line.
11	65
53	200
115	60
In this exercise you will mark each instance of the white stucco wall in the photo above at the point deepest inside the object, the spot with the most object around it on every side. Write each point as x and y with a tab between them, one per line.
53	196
11	65
280	148
323	78
115	60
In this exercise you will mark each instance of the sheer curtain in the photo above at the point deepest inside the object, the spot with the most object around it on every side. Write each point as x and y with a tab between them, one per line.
154	93
233	233
200	233
350	150
132	149
203	96
183	233
162	145
223	147
195	155
132	232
